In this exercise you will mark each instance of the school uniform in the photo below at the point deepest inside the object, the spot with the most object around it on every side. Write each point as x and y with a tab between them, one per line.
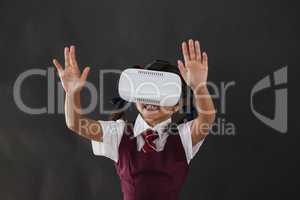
152	163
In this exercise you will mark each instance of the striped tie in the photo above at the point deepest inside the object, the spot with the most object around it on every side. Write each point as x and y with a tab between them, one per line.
149	137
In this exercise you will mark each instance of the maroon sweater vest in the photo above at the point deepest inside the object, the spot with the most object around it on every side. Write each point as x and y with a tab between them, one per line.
154	175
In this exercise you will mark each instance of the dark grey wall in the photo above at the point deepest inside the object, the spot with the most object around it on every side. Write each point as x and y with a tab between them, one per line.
245	40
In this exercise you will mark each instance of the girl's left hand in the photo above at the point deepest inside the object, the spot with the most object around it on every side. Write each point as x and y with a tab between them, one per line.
194	70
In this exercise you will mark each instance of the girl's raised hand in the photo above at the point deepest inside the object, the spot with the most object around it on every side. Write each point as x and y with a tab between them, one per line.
71	77
194	70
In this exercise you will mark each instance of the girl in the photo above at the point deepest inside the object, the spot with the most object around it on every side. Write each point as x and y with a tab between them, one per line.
151	159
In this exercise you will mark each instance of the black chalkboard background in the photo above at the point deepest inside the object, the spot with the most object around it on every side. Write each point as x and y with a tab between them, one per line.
245	40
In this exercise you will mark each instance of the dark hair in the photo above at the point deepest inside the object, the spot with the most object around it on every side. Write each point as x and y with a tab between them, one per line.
186	113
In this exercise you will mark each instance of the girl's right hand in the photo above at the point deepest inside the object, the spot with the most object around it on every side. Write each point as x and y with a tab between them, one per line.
71	77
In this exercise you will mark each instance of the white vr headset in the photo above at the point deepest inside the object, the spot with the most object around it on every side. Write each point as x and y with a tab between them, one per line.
150	87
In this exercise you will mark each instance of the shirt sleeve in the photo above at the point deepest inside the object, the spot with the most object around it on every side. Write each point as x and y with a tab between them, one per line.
112	135
184	130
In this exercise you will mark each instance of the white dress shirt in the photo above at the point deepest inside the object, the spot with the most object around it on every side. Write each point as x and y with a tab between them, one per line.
113	132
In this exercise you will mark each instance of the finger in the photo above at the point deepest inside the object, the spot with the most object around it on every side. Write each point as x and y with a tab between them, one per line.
205	59
192	49
67	57
181	68
85	73
185	52
198	51
73	60
57	66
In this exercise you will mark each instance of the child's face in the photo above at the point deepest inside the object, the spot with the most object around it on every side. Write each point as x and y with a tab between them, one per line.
153	113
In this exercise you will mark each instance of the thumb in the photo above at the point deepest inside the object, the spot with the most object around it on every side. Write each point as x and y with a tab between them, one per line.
85	73
181	68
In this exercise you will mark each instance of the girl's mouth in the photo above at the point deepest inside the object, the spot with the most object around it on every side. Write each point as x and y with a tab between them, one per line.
150	107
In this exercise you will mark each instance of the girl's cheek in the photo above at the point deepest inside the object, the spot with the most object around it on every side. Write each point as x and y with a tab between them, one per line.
165	111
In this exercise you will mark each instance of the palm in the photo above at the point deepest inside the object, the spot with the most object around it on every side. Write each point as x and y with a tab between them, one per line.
71	78
194	70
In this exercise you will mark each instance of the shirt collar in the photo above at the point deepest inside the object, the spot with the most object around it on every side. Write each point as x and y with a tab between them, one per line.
141	125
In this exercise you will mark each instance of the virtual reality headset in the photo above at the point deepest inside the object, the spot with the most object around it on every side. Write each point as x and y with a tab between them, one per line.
150	87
